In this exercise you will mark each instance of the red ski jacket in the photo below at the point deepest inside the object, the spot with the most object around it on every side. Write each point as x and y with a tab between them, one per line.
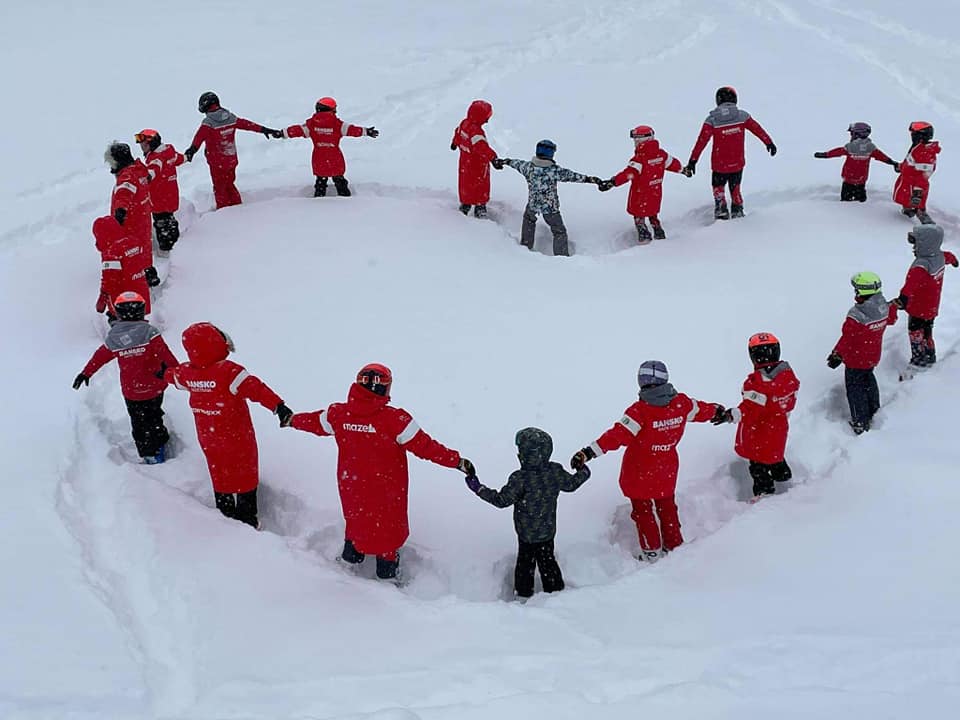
142	355
219	390
326	130
162	165
121	267
218	133
650	429
645	174
861	338
858	153
132	193
915	171
373	439
769	394
475	154
924	284
725	125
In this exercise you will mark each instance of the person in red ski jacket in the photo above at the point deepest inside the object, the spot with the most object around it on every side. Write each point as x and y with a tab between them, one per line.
475	158
162	161
217	133
860	346
373	439
645	175
650	429
856	168
913	186
219	390
130	203
726	126
769	395
326	131
920	294
143	357
121	268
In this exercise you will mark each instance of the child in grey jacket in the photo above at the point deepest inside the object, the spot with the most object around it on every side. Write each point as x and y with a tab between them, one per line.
542	175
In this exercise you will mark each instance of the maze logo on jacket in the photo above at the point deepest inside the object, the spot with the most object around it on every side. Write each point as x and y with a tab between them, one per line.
354	427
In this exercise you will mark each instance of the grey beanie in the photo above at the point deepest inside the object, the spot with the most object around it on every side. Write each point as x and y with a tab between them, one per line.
652	372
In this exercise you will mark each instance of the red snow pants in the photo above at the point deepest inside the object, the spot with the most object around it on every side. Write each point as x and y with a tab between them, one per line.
224	190
653	536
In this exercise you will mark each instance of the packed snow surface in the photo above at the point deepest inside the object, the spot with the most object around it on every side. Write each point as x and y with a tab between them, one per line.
126	595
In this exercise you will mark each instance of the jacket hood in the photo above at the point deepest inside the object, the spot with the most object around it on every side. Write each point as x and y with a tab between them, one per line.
364	402
534	447
658	395
205	344
106	230
927	240
479	111
646	149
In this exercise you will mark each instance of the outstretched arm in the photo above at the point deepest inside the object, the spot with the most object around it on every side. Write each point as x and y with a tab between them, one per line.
505	496
313	422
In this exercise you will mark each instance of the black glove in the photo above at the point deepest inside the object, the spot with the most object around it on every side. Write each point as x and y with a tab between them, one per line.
900	301
834	360
161	372
466	467
453	146
284	413
593	179
278	134
896	167
153	279
372	132
772	149
189	153
497	163
691	169
79	380
819	155
605	185
473	482
581	457
268	132
120	214
722	416
956	262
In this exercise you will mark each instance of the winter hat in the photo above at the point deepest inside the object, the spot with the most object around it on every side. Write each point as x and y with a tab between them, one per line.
546	149
926	239
652	372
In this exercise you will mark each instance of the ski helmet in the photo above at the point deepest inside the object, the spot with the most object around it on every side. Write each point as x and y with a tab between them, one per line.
118	156
208	101
764	348
726	94
921	132
546	149
652	372
376	378
151	137
326	104
859	130
641	133
130	306
866	283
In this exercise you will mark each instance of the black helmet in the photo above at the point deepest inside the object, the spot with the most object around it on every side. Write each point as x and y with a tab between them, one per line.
921	132
118	156
130	306
208	101
726	94
764	349
860	130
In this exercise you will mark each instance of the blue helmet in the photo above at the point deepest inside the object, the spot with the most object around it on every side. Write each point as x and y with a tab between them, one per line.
546	149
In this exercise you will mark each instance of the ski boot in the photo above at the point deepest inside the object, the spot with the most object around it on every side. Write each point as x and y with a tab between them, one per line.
465	209
924	218
736	211
158	459
909	212
651	556
389	570
643	234
343	187
480	212
658	233
720	211
859	428
320	187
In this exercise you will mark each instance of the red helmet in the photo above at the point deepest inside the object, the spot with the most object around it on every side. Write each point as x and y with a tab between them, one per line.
642	132
921	131
146	135
764	348
326	103
376	378
130	306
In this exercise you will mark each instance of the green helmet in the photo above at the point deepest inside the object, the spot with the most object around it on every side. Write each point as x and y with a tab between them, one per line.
866	283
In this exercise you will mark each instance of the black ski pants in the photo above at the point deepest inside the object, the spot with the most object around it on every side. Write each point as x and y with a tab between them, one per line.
146	425
242	506
555	221
529	557
863	395
339	182
850	192
765	475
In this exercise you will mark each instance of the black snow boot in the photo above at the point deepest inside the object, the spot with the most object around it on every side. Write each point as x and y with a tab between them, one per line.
388	569
643	232
909	212
480	211
343	188
720	211
736	211
350	554
658	233
320	187
465	209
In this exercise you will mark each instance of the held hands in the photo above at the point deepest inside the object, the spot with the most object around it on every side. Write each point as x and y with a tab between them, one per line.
473	482
278	134
691	169
581	457
371	132
79	380
896	167
270	132
722	416
834	360
284	413
120	214
593	179
772	149
496	162
466	467
605	185
189	153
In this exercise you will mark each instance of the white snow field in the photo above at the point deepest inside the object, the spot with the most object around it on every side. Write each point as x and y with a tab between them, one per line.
126	595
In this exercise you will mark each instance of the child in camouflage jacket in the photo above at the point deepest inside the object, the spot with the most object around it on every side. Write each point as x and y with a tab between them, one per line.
533	492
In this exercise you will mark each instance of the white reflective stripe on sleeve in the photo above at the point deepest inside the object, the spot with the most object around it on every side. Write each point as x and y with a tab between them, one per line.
923	167
477	138
324	423
754	396
694	411
636	166
408	433
111	265
306	130
669	160
632	426
238	380
597	450
126	186
736	414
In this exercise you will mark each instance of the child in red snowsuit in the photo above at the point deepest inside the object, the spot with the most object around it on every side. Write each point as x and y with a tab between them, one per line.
856	168
645	175
769	394
162	162
913	185
650	429
920	295
326	130
143	358
219	391
131	205
120	263
475	158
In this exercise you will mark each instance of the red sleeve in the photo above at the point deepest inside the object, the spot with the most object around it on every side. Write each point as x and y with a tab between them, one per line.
623	176
949	258
200	137
250	387
111	275
296	131
412	439
123	195
348	130
701	411
673	164
849	328
836	152
163	352
914	278
101	357
892	314
244	124
155	167
706	132
622	432
881	156
754	127
484	150
312	422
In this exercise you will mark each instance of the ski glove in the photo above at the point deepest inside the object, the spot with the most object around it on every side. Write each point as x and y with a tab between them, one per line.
453	146
896	167
153	279
466	467
605	185
79	380
473	482
284	413
581	457
189	153
120	214
820	155
834	360
372	132
772	149
691	169
497	163
269	132
900	301
593	179
722	416
278	134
